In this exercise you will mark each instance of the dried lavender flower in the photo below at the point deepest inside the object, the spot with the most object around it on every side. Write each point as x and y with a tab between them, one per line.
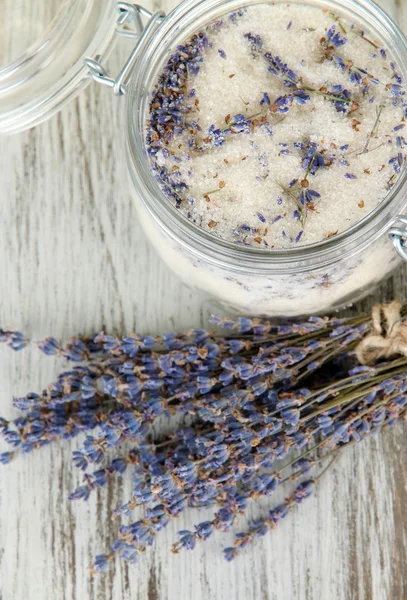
267	402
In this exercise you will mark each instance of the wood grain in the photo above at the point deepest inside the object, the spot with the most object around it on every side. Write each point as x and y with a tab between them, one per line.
74	259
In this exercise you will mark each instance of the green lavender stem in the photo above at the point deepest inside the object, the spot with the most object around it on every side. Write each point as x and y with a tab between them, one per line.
301	207
375	128
337	19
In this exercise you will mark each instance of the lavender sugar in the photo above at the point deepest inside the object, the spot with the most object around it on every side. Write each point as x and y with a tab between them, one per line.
279	125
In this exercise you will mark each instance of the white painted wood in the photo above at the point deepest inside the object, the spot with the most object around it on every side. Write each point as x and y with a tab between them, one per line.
73	259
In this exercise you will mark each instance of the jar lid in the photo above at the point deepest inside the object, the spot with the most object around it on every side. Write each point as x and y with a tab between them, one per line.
52	70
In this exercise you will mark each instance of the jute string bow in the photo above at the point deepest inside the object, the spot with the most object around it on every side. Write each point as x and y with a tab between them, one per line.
388	336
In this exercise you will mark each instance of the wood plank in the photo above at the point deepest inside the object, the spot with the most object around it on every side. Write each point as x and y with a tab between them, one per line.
74	259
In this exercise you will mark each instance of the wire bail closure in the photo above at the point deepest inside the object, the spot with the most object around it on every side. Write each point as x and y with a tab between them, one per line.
128	14
398	235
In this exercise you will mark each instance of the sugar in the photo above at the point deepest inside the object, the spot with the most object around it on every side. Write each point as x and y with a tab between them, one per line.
277	129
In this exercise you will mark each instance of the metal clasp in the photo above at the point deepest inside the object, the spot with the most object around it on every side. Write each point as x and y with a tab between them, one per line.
398	235
128	14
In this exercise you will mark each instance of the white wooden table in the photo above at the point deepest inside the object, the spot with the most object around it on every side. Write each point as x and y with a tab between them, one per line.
73	259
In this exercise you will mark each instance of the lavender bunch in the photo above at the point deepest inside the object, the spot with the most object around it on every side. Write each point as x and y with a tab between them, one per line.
267	404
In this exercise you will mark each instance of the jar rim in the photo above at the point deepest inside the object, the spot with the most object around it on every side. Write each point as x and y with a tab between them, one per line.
200	241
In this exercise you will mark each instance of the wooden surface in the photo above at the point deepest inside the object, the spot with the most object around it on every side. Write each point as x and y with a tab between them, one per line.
74	260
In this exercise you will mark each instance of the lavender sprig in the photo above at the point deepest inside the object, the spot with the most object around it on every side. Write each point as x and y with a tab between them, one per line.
356	74
259	528
276	66
300	191
375	128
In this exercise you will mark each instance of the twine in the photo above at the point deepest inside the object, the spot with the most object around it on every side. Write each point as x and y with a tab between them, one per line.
388	336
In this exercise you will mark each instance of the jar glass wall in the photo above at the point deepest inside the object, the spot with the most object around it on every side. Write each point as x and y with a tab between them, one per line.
314	278
28	21
39	75
304	291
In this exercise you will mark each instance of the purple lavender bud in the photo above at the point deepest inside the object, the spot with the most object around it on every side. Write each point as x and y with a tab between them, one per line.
118	465
259	388
101	562
356	435
230	553
356	76
379	417
37	429
79	460
155	512
259	528
255	42
341	431
127	551
334	37
313	365
301	96
81	493
400	400
204	530
177	504
278	513
302	464
304	490
324	421
99	478
28	402
130	346
50	346
76	351
27	448
388	386
12	438
16	341
397	90
187	539
137	532
205	384
339	61
93	448
236	346
88	389
224	518
6	457
291	416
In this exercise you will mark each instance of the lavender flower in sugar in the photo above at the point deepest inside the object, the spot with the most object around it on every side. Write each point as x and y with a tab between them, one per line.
333	39
357	75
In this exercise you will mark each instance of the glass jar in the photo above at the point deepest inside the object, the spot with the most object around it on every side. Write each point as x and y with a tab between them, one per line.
287	282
